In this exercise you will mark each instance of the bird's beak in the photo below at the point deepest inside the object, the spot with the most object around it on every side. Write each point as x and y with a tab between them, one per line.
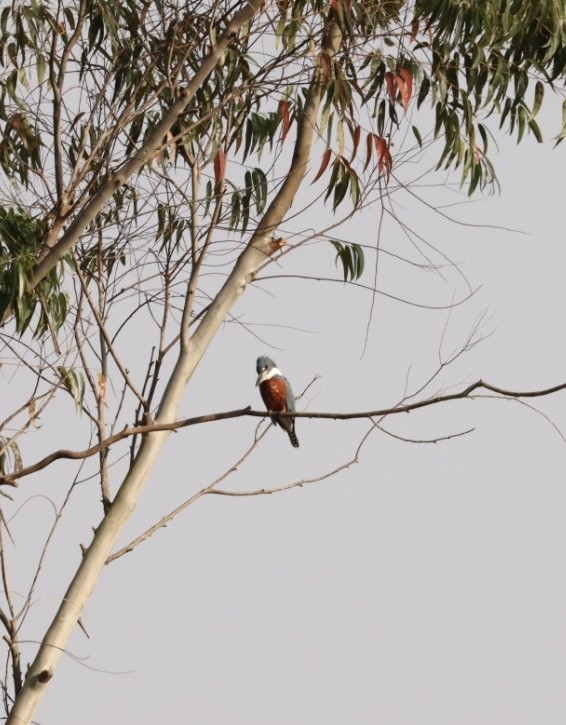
260	377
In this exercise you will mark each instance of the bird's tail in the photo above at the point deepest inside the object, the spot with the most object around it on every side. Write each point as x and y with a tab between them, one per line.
288	424
293	435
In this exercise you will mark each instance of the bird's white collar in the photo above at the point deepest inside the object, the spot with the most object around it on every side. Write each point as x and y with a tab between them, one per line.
267	375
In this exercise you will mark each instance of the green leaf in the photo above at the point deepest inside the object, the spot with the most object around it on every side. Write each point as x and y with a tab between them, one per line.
483	134
74	383
340	190
539	95
10	456
417	134
423	91
522	118
355	191
476	176
41	66
259	181
562	135
533	125
351	257
381	117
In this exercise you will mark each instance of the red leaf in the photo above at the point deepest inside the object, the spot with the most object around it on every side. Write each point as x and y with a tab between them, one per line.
384	160
415	29
381	148
219	166
346	3
403	90
284	111
356	140
405	74
369	146
325	160
389	79
276	244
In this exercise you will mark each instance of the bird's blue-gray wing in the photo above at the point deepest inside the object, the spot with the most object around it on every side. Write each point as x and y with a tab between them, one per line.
290	398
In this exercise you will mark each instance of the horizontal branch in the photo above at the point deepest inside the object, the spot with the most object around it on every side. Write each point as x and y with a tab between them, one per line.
66	454
11	478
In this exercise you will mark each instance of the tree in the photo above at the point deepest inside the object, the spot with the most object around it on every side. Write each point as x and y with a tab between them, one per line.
156	161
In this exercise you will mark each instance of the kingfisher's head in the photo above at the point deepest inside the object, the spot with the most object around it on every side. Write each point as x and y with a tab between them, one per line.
266	368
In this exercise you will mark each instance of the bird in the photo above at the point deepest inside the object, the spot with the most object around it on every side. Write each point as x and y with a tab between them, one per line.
277	395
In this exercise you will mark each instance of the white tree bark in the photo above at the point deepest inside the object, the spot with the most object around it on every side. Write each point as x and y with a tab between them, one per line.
190	354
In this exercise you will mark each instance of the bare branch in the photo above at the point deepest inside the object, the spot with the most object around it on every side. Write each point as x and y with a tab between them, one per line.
11	478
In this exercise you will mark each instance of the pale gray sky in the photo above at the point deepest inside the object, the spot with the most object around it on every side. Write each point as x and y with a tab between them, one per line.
424	585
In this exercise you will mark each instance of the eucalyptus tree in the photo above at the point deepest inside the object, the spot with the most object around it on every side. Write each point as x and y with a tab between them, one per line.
156	157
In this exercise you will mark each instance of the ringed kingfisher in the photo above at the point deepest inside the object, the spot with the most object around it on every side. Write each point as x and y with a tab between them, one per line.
277	395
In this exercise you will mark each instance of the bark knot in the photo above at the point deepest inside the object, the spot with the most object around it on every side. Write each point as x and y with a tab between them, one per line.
44	676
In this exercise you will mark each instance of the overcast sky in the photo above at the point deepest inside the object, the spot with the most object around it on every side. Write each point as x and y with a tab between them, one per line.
424	584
